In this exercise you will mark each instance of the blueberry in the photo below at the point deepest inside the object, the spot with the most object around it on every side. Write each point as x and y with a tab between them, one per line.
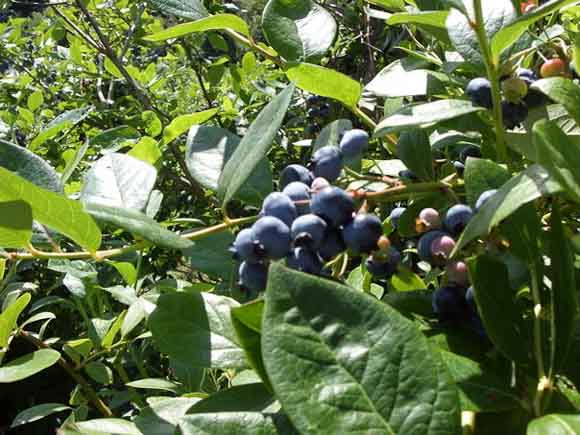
382	266
469	151
333	205
318	184
362	234
332	244
304	260
479	92
327	163
313	99
429	217
273	236
298	191
457	218
424	244
354	143
513	114
408	175
313	112
308	230
449	305
459	167
324	110
253	276
441	249
527	75
483	198
470	299
279	205
395	215
535	98
245	247
295	173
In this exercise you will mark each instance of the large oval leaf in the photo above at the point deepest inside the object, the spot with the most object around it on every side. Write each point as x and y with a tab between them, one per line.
235	423
119	180
298	29
481	175
192	9
215	22
196	329
342	362
28	165
563	91
207	152
555	424
254	145
28	365
15	224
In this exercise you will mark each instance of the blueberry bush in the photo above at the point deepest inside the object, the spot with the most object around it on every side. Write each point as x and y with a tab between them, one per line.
289	217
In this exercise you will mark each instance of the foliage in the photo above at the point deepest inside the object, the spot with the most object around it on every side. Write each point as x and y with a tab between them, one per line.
138	138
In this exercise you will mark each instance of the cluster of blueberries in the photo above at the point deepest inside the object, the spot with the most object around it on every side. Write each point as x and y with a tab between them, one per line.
518	97
454	302
317	108
310	222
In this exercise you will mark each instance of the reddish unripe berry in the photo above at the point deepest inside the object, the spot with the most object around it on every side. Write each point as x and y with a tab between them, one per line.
457	273
553	67
318	184
430	218
442	247
384	243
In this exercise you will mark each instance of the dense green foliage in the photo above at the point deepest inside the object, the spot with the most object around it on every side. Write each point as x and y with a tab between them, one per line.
138	138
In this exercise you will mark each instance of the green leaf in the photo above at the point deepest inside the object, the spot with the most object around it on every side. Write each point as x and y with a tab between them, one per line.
254	145
208	150
15	224
563	91
427	114
163	415
235	423
210	255
192	9
154	384
555	424
183	123
492	290
59	213
341	362
298	29
138	224
247	321
37	412
405	78
248	397
325	82
214	22
9	317
28	365
147	150
509	34
62	122
430	21
99	372
406	280
414	149
119	180
565	303
529	185
29	166
411	302
35	100
559	156
481	175
497	14
196	328
102	426
480	388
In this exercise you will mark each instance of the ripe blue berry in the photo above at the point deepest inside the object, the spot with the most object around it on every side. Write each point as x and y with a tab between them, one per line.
333	205
483	198
331	245
527	74
295	173
279	205
459	167
324	110
327	163
424	244
384	266
354	143
513	114
479	92
408	175
273	236
395	215
469	151
298	191
304	260
449	305
308	230
457	218
253	276
362	234
245	247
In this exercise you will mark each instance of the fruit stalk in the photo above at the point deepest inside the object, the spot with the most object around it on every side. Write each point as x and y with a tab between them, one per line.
493	76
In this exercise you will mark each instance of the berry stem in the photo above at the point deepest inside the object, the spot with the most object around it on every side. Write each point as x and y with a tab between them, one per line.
493	76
